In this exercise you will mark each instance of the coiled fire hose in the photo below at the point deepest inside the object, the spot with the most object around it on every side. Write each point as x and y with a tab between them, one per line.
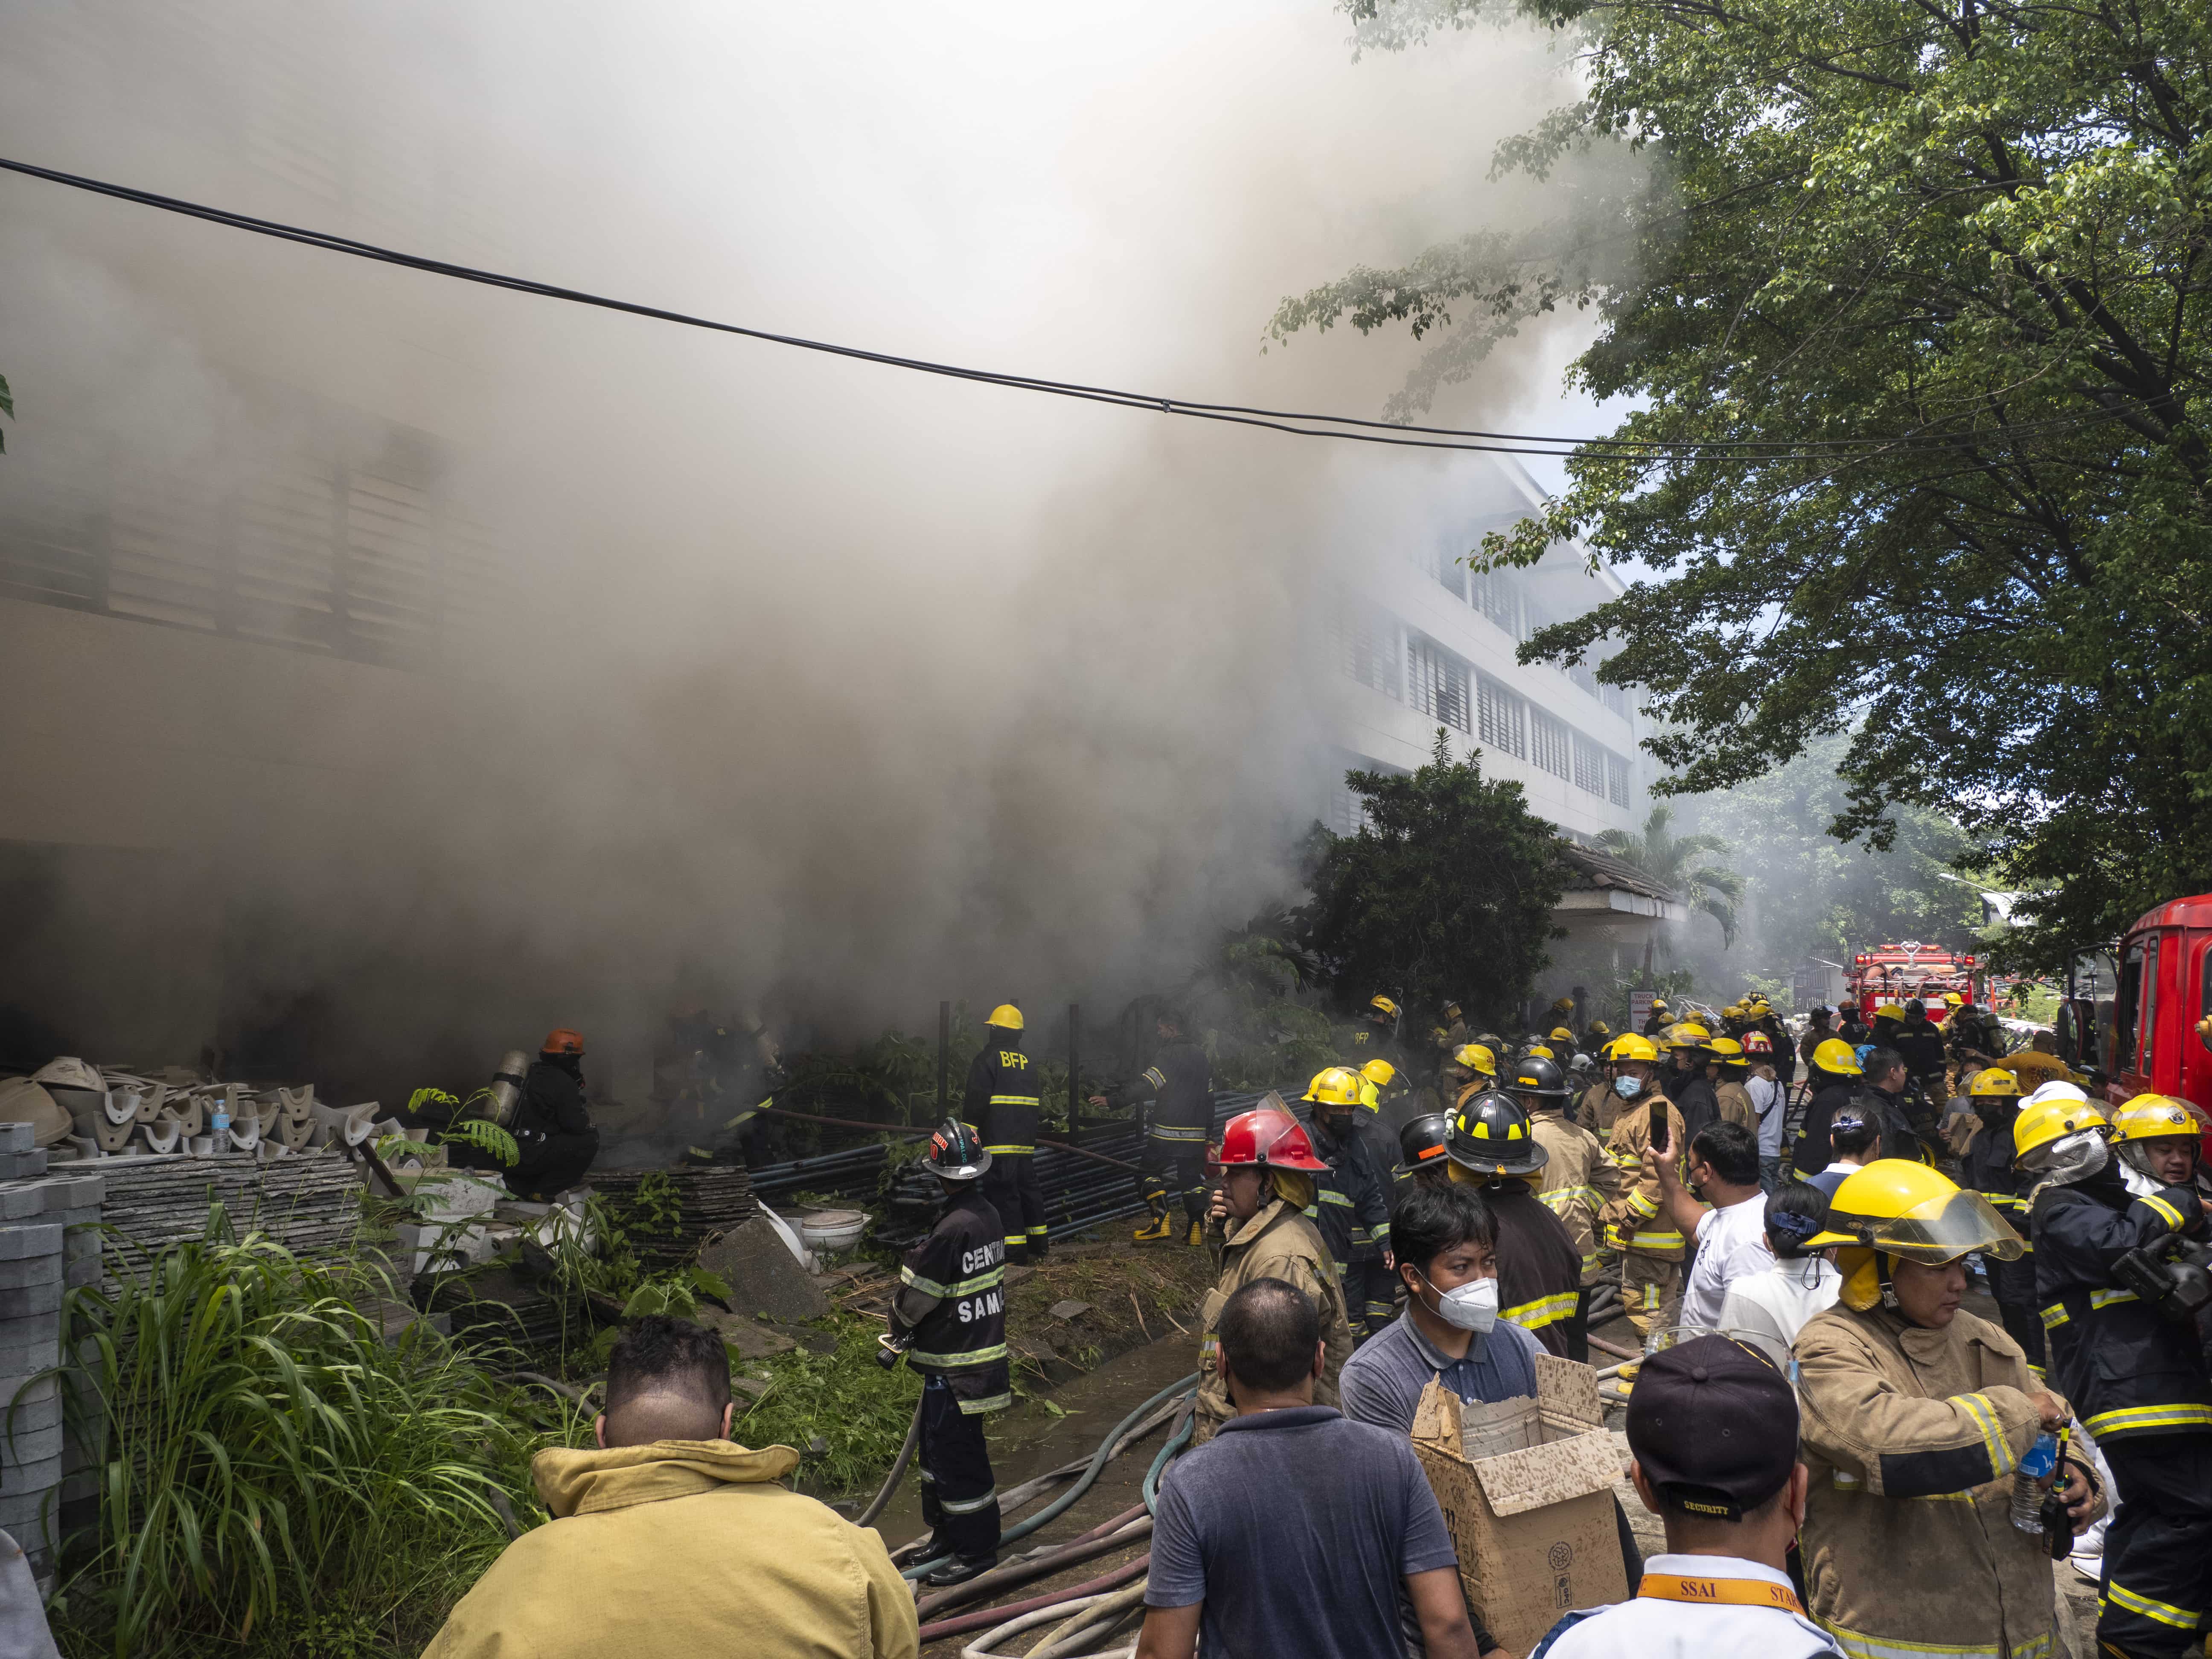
867	1518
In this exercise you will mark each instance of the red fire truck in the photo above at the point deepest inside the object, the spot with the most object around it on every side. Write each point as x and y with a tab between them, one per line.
2155	1036
1893	973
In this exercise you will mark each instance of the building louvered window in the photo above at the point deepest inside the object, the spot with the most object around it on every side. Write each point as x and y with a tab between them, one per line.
1589	766
1501	719
1439	681
1616	780
1548	744
1364	642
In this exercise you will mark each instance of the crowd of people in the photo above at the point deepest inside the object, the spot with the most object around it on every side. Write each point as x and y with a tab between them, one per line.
1844	1458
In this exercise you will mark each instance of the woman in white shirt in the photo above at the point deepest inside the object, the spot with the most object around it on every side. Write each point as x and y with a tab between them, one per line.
1770	1308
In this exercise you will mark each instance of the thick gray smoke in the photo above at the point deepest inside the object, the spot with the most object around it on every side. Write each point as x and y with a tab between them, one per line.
778	681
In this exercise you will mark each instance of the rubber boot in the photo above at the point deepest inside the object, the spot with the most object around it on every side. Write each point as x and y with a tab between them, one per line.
1197	1233
1157	1228
957	1572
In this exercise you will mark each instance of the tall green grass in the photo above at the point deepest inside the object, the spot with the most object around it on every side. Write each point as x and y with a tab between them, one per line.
274	1476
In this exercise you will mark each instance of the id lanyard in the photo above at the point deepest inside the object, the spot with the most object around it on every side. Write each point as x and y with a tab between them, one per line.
1720	1592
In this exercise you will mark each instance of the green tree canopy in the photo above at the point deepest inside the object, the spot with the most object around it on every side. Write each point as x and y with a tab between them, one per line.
1929	278
1445	894
1678	862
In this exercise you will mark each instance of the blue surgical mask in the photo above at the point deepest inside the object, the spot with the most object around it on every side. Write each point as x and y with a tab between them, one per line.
1628	1087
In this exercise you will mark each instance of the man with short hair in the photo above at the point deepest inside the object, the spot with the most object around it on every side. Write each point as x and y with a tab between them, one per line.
1731	1503
668	1538
1729	1229
1294	1529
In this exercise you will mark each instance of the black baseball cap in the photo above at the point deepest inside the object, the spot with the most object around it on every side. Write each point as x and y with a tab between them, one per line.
1714	1423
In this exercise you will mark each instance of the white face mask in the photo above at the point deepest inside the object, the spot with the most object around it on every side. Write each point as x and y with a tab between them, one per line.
1628	1087
1469	1306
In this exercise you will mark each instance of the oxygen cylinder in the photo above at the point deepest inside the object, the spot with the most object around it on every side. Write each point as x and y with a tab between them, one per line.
506	1092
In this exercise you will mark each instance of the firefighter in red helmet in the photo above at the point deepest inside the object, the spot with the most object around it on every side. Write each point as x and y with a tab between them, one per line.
1260	1226
552	1125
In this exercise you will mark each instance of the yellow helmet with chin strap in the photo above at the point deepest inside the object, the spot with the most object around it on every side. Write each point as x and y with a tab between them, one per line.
1836	1055
1990	1081
1633	1045
1895	1207
1336	1086
1688	1035
2044	1117
1890	1011
2157	1117
1476	1058
1380	1073
1383	1005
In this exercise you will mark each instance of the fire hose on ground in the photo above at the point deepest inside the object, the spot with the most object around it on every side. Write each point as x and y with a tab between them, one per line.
1083	1483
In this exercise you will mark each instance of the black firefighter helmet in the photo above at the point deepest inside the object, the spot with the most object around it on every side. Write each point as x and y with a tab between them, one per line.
1421	1142
1491	1136
956	1152
1539	1076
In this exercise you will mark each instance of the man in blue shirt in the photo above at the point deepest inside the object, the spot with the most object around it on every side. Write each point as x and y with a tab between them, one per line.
1294	1529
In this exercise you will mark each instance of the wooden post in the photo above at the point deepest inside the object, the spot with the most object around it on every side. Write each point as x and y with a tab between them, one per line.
943	1061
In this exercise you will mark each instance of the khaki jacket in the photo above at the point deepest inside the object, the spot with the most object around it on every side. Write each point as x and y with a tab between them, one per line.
1629	1220
1911	1437
1598	1108
1735	1105
682	1546
1277	1242
1576	1183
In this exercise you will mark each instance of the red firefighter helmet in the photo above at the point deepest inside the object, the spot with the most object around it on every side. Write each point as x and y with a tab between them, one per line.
1269	1137
562	1041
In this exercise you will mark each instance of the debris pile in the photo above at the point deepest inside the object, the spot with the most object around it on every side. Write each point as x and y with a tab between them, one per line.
90	1112
310	1204
668	1214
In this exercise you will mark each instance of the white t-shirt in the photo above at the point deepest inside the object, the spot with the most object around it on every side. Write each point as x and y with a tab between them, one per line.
1693	1627
1772	1307
1768	1098
1731	1243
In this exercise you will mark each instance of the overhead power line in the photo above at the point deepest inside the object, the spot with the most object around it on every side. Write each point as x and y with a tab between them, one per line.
1345	428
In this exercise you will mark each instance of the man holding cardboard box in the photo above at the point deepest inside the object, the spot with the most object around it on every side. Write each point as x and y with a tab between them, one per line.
1713	1427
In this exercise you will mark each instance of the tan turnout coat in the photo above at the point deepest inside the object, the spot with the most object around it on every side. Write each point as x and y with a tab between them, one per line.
1576	1183
1277	1242
1634	1217
1911	1437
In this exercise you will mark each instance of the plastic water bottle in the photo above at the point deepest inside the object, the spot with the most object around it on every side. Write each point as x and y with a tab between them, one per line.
220	1128
2036	1465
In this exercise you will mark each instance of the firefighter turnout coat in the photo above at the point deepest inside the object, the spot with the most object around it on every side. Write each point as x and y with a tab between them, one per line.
1630	1222
1576	1183
1352	1202
1001	1100
1277	1242
1179	1083
2127	1371
952	1300
1911	1436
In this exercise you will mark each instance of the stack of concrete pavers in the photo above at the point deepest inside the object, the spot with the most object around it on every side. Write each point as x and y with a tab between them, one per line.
49	1244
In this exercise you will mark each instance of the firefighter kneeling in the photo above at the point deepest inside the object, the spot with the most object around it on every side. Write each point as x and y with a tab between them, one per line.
2120	1275
948	1320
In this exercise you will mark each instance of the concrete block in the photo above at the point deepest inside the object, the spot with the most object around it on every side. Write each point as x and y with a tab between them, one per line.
18	1138
26	1358
83	1275
40	1238
20	1506
31	1270
763	1277
27	1389
31	1299
29	1477
86	1246
75	1192
22	1200
22	1166
23	1447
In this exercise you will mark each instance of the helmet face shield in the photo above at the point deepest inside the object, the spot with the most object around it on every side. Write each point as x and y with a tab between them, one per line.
1939	1230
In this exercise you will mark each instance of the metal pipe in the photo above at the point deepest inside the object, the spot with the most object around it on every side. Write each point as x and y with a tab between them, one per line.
1074	1094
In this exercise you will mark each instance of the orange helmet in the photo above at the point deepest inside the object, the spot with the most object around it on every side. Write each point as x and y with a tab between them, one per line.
1269	1137
562	1041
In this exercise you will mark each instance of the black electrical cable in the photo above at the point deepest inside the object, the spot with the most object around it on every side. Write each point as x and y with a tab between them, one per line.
1351	429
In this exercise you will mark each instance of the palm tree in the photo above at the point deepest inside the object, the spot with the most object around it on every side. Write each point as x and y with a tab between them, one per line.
1672	860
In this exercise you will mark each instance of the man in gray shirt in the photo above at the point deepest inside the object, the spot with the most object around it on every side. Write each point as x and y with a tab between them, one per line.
1295	1529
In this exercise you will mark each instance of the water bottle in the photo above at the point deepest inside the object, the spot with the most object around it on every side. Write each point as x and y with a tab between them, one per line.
220	1128
2037	1464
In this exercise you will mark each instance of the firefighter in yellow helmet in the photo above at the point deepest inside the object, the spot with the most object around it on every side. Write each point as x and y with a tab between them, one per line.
1001	1099
1352	1198
1916	1415
1473	1067
1660	1017
2120	1317
1649	1249
1983	1140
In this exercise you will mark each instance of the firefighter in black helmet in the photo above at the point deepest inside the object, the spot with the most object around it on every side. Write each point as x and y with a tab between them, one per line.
1421	1160
949	1321
1490	1144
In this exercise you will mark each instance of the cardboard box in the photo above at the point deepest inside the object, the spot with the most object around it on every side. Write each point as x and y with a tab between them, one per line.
1535	1529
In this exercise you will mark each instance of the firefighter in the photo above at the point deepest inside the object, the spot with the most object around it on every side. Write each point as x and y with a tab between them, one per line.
1179	1083
1351	1207
1598	1106
1764	1018
1490	1145
1688	1082
1834	1073
1576	1183
553	1135
1421	1152
2131	1363
1986	1159
1001	1096
1816	1033
1659	1018
1561	1043
1372	1290
948	1322
1916	1415
1259	1217
1851	1025
1649	1249
1455	1032
1597	1037
1922	1044
1730	1097
1474	1066
1377	1030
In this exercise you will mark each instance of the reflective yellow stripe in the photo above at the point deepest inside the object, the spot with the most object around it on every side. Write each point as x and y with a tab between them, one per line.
1544	1310
973	1357
1330	1196
2120	1595
1641	1207
1153	1076
1013	1100
1656	1240
1889	1647
1016	1152
945	1292
1172	1131
2105	1299
1993	1440
2172	1218
2132	1419
2053	1316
